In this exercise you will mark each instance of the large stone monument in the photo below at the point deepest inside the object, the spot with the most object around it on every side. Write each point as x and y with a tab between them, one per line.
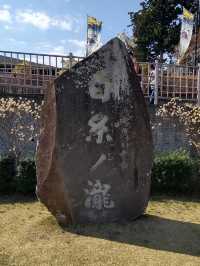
95	151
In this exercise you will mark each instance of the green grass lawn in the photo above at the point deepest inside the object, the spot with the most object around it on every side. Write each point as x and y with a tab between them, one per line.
169	234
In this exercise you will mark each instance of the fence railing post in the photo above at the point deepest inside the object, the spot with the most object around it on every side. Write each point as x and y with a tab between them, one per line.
70	60
198	86
156	82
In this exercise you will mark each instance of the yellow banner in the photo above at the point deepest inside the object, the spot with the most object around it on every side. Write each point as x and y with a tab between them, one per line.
187	14
93	21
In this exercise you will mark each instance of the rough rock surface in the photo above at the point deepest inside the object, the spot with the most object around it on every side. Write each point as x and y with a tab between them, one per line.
95	151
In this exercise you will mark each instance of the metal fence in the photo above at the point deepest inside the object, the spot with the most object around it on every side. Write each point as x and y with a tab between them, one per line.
51	60
170	81
28	73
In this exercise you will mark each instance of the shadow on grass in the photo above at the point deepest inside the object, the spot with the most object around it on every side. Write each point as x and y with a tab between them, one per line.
17	198
165	198
149	231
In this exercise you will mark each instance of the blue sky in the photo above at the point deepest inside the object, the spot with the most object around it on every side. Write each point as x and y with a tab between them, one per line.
58	26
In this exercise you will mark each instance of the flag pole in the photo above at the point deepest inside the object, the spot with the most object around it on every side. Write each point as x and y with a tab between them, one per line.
196	32
87	39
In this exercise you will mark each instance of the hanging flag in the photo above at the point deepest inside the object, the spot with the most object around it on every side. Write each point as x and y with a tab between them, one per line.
93	35
186	32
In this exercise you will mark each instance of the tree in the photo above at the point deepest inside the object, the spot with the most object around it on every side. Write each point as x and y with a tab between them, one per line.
19	121
156	27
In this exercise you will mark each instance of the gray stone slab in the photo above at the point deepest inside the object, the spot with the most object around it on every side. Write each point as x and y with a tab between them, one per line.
95	153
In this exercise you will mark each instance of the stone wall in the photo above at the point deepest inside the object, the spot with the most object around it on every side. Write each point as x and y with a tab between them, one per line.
7	140
168	135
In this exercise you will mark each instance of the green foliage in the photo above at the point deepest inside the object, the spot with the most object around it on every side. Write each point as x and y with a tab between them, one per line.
25	181
175	172
156	27
7	175
21	179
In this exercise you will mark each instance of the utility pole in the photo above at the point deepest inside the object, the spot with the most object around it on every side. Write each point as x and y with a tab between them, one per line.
197	20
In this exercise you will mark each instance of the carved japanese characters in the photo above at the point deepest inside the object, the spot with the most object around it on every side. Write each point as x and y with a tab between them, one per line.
95	152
